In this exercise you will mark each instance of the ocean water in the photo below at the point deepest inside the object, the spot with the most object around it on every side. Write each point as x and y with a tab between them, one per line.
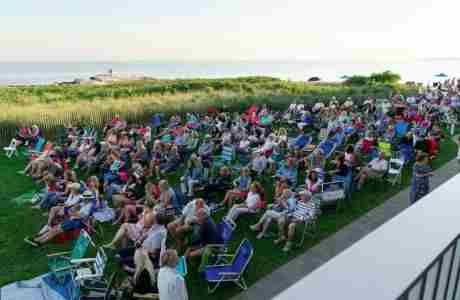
44	73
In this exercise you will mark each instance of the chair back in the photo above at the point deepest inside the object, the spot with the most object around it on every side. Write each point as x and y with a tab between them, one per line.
225	230
81	245
227	153
385	148
39	145
242	257
100	263
304	210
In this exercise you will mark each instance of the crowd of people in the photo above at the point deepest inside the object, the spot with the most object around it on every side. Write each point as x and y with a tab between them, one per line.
165	182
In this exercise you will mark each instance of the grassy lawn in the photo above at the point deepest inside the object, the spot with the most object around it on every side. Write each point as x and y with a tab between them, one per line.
21	261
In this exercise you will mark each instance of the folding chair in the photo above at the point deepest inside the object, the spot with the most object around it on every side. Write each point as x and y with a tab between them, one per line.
225	230
11	149
37	150
394	174
232	272
60	264
307	213
90	270
226	157
332	193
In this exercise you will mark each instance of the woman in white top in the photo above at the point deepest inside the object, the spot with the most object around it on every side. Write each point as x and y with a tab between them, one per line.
250	205
171	285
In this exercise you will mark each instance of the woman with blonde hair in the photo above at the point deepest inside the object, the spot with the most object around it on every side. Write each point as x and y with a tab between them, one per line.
171	285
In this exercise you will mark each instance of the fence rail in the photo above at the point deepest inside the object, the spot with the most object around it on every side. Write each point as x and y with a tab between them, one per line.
440	279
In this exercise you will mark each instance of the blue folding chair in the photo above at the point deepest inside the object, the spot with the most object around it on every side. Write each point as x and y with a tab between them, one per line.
232	272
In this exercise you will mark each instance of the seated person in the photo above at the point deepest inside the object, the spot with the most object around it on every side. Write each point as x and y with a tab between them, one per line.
75	218
289	171
185	222
241	184
312	184
205	233
375	168
282	205
193	175
149	248
259	163
251	204
221	182
287	224
136	232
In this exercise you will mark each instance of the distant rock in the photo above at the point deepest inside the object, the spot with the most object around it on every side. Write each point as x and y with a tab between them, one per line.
314	79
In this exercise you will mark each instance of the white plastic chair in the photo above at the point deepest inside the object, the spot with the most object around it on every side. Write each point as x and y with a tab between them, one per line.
90	269
395	168
11	149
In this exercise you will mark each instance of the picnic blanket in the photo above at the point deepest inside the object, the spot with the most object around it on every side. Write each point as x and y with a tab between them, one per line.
24	290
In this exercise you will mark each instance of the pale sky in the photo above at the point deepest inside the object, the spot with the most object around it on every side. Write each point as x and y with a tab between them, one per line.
116	30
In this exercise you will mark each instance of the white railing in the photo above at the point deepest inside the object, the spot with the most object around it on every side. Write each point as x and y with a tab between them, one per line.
412	256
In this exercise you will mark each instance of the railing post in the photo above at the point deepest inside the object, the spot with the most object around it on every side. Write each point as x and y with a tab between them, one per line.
454	248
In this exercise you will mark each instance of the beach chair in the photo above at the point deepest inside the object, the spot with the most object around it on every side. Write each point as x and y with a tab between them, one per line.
395	168
88	271
232	272
213	251
307	213
11	150
37	150
59	263
332	192
225	158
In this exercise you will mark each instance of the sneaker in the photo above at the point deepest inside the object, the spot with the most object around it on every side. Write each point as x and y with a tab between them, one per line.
287	247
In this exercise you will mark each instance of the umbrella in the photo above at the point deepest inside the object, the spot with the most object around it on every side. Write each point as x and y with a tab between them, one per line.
441	75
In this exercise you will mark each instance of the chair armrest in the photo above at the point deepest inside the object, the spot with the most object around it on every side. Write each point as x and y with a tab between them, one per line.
87	277
82	261
58	254
146	296
63	269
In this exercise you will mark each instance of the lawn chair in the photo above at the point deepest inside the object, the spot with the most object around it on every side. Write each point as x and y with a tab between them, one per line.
307	213
90	270
394	174
37	150
225	230
226	157
332	192
60	264
11	149
232	272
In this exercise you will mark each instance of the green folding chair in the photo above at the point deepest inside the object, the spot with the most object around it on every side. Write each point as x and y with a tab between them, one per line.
60	263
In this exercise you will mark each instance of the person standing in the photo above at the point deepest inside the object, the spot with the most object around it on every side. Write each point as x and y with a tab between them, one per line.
171	285
420	185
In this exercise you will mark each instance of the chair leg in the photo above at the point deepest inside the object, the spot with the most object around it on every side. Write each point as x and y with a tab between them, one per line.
214	288
241	283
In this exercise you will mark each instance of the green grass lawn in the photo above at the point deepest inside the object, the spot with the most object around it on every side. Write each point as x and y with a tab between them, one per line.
20	261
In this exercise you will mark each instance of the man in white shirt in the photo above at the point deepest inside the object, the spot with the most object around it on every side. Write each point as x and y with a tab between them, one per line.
183	224
375	168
